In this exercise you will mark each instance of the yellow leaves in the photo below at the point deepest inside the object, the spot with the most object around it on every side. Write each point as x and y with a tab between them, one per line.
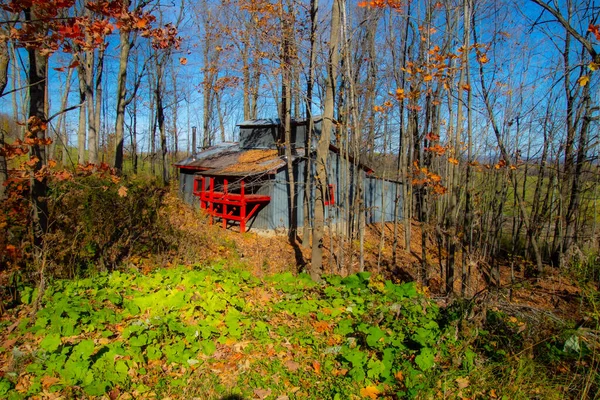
593	66
483	58
378	109
370	392
452	160
400	94
584	80
122	191
427	78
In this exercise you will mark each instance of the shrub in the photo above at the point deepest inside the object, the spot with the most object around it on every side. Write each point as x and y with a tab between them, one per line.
96	223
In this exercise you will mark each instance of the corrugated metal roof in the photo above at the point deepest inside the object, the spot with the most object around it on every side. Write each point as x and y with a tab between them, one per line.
261	122
229	160
204	158
275	121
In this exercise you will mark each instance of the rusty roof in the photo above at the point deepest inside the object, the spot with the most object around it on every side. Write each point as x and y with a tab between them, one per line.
230	160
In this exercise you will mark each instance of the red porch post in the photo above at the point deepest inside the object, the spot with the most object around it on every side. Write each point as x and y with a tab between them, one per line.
224	215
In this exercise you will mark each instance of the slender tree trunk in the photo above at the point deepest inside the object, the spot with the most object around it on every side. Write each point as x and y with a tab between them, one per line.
4	61
125	45
36	130
62	137
134	145
98	100
81	130
324	141
286	104
160	119
314	7
89	98
505	155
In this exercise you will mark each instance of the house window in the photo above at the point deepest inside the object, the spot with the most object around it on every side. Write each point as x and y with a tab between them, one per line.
329	196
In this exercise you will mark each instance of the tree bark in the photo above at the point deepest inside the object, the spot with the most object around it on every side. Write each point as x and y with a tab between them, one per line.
324	141
121	93
306	230
4	61
36	127
81	130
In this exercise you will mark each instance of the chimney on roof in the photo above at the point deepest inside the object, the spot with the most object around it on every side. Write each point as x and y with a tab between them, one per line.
194	140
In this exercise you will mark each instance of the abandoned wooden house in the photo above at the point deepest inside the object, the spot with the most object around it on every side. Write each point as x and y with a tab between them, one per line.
246	183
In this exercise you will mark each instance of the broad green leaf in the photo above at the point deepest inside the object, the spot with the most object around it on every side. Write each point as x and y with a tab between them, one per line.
50	343
375	334
425	359
153	352
139	341
208	347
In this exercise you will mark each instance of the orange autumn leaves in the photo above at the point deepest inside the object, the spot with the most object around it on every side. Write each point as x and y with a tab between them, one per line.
49	31
593	65
394	4
370	392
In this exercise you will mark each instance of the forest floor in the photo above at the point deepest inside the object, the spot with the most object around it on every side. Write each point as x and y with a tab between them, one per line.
264	254
225	315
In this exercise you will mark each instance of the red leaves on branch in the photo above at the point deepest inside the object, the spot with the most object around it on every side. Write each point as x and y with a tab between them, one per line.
70	30
47	33
164	37
595	29
432	137
393	4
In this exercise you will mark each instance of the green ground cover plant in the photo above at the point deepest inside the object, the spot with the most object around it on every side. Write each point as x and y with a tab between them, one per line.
204	332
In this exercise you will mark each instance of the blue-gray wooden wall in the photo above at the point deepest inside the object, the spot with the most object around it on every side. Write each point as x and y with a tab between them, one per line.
186	188
379	200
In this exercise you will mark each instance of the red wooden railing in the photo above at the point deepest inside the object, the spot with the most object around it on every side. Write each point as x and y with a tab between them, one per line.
239	207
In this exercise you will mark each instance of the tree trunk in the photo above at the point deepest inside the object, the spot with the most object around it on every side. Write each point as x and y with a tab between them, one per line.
286	102
89	98
98	98
4	60
324	141
160	119
81	130
37	130
314	7
121	93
